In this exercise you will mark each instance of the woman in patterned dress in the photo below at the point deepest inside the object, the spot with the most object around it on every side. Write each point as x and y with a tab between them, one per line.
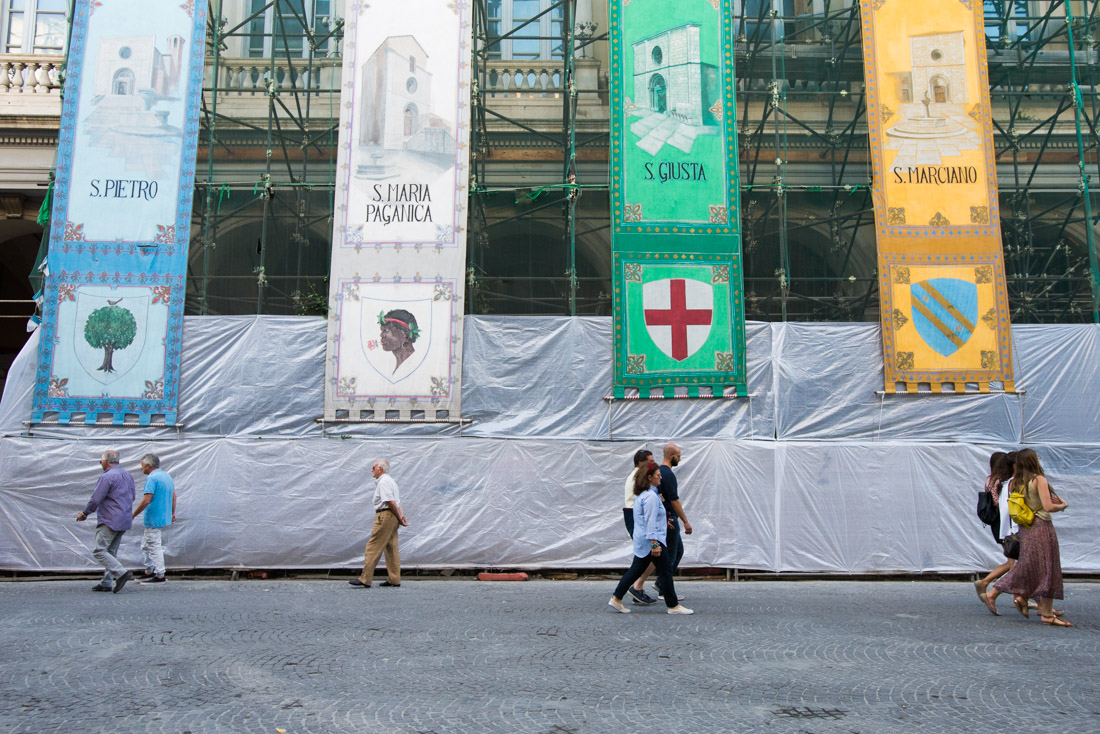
1038	573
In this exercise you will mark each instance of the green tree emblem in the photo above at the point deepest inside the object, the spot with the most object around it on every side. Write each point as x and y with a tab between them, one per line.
109	328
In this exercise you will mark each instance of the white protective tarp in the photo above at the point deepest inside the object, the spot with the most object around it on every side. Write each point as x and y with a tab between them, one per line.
815	473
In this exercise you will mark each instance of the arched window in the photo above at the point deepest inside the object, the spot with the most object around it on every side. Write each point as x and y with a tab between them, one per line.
412	123
123	82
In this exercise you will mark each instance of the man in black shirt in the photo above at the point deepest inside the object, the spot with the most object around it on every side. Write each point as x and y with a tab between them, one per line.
670	496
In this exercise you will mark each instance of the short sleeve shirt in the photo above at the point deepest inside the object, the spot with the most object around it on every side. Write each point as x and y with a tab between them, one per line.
628	490
668	492
385	490
158	513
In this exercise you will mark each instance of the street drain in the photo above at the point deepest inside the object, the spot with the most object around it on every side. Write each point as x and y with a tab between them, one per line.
806	712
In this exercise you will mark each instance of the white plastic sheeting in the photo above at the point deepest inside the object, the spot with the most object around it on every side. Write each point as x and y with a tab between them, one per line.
814	473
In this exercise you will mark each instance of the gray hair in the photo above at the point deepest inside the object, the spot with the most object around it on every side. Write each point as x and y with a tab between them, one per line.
382	463
152	460
110	456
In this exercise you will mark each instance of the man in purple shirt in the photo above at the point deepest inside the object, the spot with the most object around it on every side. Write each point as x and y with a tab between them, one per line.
112	502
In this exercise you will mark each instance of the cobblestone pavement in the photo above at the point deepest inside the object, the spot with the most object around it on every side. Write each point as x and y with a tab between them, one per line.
812	657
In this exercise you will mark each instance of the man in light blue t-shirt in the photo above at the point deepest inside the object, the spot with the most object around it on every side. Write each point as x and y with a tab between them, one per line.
159	506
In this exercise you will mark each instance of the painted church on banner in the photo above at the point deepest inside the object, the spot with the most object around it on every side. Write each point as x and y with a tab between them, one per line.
397	101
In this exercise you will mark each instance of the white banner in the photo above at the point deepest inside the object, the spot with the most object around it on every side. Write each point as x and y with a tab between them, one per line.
399	241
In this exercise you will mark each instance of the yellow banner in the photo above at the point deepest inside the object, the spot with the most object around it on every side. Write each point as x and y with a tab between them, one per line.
945	317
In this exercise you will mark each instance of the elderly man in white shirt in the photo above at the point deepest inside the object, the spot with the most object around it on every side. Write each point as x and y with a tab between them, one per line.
388	516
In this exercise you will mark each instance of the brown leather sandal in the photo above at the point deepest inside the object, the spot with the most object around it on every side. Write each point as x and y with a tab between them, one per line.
990	604
1057	622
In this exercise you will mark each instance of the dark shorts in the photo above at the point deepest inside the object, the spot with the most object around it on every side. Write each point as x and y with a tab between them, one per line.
628	518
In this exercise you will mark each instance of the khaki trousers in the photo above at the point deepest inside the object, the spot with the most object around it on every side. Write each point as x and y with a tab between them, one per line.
383	539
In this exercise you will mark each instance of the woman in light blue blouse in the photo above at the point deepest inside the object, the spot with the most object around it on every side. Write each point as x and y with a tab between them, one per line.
650	531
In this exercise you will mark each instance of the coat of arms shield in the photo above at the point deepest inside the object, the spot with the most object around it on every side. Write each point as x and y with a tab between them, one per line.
111	328
678	315
945	311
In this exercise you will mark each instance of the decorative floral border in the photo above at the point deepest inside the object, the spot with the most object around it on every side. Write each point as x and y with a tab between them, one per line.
76	261
343	389
628	370
158	395
895	269
172	239
876	131
448	236
725	110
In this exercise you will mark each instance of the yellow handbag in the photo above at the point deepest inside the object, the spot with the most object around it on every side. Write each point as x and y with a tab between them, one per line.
1018	510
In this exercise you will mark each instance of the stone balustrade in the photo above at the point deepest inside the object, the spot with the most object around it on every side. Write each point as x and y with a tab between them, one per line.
25	74
253	80
251	77
542	78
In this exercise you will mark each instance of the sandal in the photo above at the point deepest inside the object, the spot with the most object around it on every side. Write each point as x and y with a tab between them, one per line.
980	588
990	604
1033	605
1057	622
1021	606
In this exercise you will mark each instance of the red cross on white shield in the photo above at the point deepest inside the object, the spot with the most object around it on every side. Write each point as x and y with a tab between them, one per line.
678	315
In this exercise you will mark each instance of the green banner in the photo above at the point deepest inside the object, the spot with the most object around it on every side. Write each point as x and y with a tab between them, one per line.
676	240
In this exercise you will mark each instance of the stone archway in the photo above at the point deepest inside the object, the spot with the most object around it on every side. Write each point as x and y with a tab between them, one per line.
658	93
411	120
941	89
123	82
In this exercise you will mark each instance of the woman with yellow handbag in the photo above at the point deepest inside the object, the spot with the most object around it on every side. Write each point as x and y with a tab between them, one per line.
1038	573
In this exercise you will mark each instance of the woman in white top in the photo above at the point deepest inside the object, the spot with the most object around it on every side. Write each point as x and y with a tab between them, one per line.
1000	471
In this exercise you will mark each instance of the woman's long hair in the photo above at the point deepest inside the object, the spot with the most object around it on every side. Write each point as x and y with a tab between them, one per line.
999	466
1027	468
641	478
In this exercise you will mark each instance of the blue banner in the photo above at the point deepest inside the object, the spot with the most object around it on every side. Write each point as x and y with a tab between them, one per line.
120	224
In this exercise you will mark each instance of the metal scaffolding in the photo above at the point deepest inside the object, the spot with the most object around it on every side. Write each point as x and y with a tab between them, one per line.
808	219
539	229
267	158
525	219
807	216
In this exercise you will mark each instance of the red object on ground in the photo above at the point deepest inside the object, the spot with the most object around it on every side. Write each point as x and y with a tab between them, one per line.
486	576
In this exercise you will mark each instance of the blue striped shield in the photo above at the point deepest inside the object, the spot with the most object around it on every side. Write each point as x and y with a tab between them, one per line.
945	312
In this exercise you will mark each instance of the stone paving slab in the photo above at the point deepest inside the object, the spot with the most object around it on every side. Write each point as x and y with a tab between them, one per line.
816	657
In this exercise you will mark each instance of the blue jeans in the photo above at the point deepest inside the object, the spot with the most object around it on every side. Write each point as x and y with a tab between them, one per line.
675	545
664	576
106	546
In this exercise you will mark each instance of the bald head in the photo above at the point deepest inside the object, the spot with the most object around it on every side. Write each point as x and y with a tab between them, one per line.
671	454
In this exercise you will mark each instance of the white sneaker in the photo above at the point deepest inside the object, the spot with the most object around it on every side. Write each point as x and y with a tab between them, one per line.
680	609
617	605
